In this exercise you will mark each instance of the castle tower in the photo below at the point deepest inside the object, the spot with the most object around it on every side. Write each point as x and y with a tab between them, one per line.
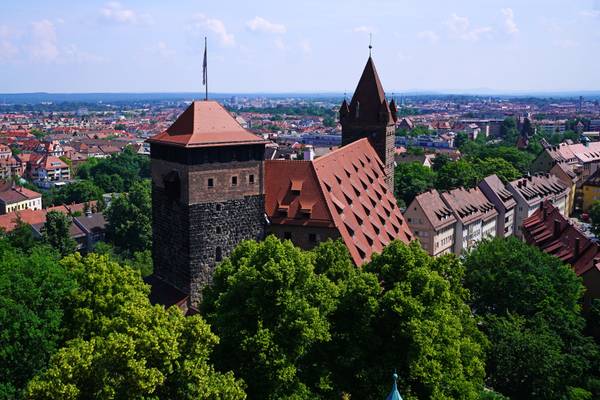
207	194
369	115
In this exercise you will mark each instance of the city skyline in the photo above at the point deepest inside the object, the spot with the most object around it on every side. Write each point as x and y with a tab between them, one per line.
313	47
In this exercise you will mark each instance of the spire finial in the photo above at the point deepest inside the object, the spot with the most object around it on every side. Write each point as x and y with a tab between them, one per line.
394	394
370	43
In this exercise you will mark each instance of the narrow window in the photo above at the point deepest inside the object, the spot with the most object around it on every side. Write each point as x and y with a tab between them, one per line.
287	235
218	230
251	178
218	254
312	237
211	182
218	207
234	181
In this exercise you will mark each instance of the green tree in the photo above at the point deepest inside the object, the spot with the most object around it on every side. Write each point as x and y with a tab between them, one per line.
406	311
56	232
594	214
529	304
269	308
125	348
21	237
440	160
489	166
34	290
508	131
411	179
456	174
77	192
130	219
461	139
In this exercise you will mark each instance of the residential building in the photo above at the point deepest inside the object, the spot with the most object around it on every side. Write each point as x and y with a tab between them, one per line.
549	230
567	175
18	198
425	160
495	191
529	193
47	171
475	215
432	222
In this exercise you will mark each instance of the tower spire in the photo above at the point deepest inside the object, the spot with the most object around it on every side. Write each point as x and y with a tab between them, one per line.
370	43
394	394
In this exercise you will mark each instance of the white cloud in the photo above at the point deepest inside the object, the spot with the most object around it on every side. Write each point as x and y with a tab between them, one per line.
363	29
460	27
117	13
590	13
280	44
8	50
259	24
305	46
430	36
509	21
201	23
73	54
163	50
44	45
567	44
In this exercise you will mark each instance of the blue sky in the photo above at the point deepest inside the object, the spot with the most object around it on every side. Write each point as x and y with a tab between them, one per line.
302	45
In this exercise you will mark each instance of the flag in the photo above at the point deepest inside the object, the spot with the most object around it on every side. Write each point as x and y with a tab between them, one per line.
204	65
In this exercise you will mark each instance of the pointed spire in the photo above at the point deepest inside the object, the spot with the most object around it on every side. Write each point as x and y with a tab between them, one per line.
369	92
394	110
344	110
394	394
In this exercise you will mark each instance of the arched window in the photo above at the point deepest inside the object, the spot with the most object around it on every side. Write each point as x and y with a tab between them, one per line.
218	254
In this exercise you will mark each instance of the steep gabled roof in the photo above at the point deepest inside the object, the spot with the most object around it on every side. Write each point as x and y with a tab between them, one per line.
344	189
204	124
436	211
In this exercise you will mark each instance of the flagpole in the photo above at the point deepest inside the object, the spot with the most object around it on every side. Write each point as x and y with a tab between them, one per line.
205	71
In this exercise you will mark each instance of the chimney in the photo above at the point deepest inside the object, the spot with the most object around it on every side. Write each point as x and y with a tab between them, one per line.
309	153
577	249
556	228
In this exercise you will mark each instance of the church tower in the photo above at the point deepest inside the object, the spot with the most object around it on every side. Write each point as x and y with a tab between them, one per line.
370	115
207	194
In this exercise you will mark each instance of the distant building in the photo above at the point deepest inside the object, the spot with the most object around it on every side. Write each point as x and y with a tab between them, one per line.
47	171
495	191
18	198
591	191
432	222
425	160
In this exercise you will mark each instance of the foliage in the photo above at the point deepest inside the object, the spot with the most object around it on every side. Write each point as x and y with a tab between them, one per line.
406	311
508	131
521	160
34	291
56	232
529	304
21	237
498	166
269	307
123	347
77	192
411	179
456	174
116	173
440	160
594	214
129	219
460	139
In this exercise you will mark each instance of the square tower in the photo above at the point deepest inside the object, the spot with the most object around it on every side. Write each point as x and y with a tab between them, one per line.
207	194
370	116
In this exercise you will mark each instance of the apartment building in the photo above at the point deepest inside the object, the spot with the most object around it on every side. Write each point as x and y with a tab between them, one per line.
18	198
475	214
529	193
495	191
432	222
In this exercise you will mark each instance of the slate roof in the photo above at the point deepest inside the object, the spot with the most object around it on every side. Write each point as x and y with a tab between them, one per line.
539	186
436	211
503	194
469	205
204	124
344	189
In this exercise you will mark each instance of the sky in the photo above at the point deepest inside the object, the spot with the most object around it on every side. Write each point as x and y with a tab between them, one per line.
298	46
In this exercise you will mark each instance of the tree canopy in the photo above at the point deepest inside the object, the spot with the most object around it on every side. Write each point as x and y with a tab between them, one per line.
411	179
56	232
529	305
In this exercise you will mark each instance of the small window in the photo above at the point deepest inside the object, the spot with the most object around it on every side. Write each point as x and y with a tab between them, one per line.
218	230
210	182
234	181
218	207
312	237
251	178
218	254
287	235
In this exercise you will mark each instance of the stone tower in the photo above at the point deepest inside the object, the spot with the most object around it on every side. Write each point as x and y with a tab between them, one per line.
207	194
370	115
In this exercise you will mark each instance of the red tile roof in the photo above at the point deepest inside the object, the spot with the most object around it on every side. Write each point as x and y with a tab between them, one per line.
9	221
436	211
203	124
550	231
344	189
18	194
469	205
